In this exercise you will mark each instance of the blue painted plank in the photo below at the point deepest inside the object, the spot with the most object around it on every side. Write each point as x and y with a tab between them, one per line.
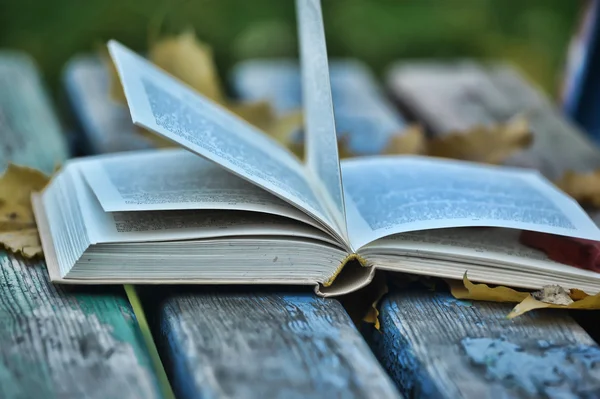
223	344
435	346
104	125
57	342
364	118
266	345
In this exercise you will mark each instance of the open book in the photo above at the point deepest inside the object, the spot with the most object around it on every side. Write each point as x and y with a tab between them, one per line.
233	206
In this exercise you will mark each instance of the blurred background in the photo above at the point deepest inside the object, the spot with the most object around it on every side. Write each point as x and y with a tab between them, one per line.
534	34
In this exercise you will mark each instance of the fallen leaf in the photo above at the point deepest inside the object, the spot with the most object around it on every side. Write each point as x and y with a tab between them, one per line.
18	232
285	129
483	292
581	300
410	141
372	315
16	185
25	241
190	60
583	187
260	113
548	297
489	144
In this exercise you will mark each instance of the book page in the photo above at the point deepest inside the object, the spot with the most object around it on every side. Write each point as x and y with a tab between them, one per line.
143	226
408	193
175	179
321	140
164	105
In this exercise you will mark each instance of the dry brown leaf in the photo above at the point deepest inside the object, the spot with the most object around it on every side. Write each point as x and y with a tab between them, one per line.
583	187
260	113
548	297
18	232
489	144
411	141
16	185
25	241
190	60
372	315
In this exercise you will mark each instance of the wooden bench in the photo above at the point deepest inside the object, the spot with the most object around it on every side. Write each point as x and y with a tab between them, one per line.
57	342
436	346
433	345
235	342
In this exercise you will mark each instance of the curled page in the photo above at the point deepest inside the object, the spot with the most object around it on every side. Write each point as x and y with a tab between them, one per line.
163	104
176	179
321	141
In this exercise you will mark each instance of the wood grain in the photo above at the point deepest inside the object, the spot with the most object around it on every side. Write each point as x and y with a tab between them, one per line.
436	346
57	343
267	345
30	134
67	344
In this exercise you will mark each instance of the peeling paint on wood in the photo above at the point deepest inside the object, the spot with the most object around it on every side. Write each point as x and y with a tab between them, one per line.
266	345
55	342
435	348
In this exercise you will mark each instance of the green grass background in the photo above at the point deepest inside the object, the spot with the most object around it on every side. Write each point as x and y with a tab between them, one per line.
532	33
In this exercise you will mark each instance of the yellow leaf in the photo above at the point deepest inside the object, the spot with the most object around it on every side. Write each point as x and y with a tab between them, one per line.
372	315
588	302
18	232
16	185
489	144
25	241
190	60
411	141
551	297
260	113
483	292
583	187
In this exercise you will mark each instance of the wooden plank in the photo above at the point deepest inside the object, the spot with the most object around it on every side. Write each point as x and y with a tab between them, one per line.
435	346
27	119
450	97
103	124
365	119
211	341
57	342
265	345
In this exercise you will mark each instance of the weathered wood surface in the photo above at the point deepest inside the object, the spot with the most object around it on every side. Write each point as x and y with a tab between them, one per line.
56	343
103	124
266	345
435	346
365	119
30	134
457	96
219	344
